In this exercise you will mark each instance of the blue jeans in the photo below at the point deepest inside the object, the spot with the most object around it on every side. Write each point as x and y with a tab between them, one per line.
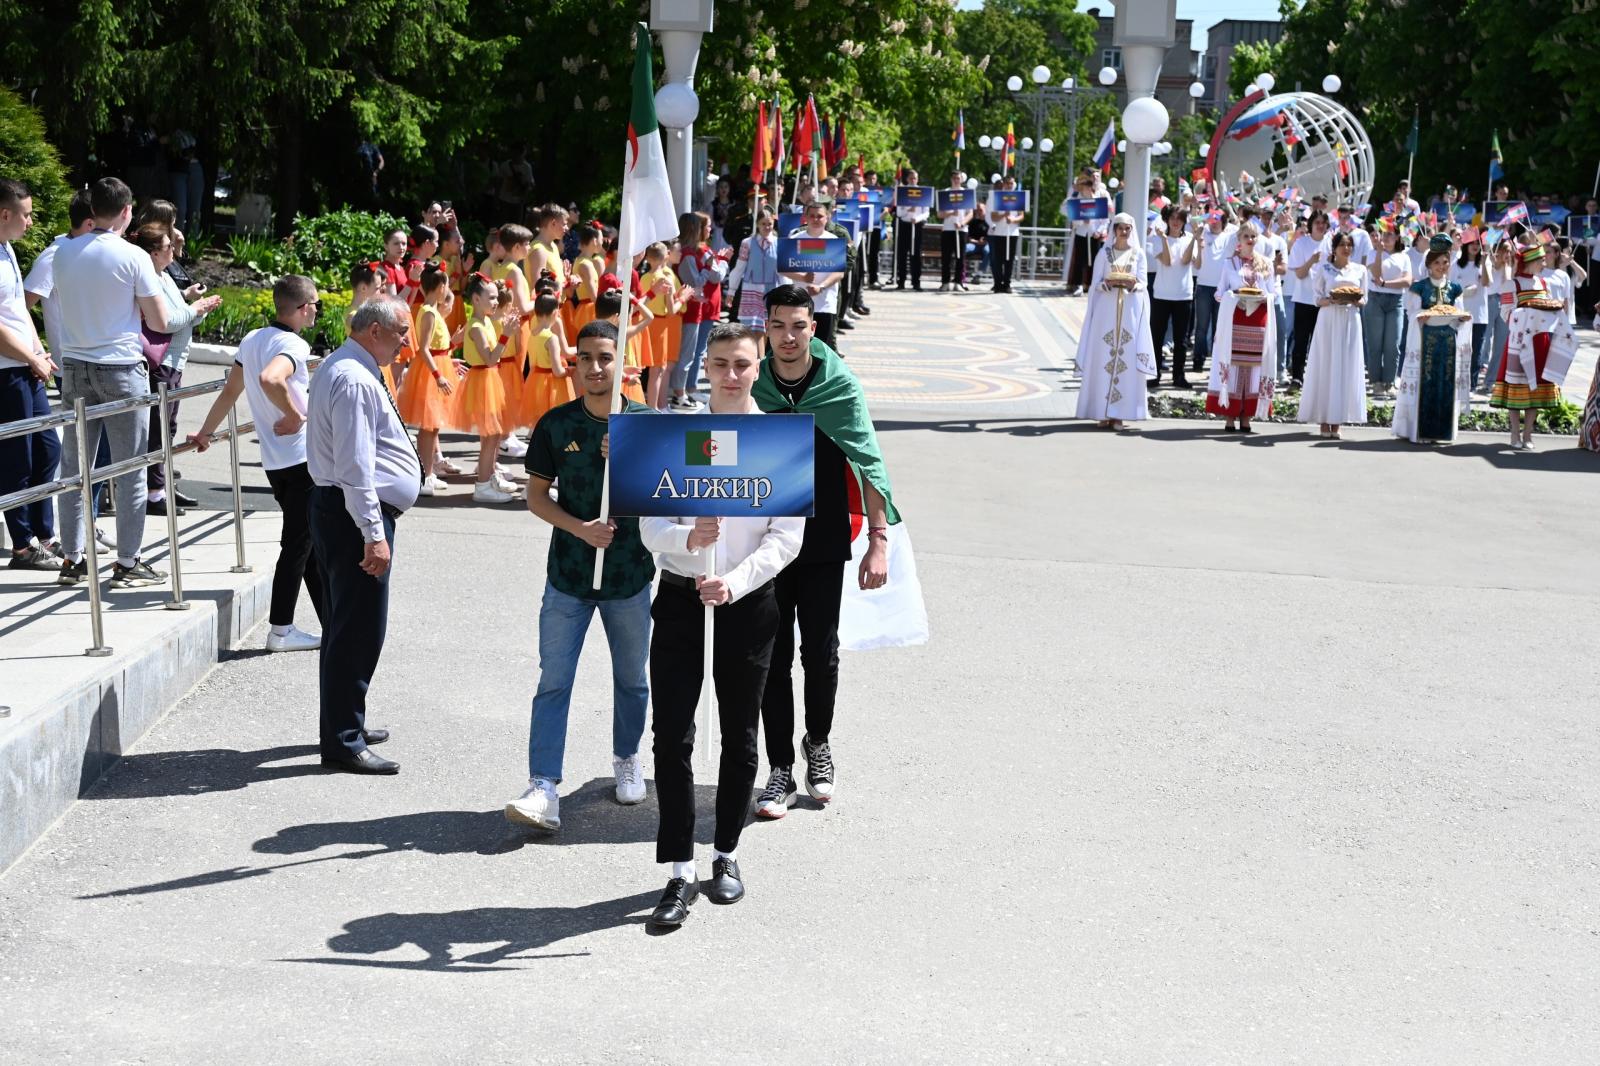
1499	331
1205	321
1282	319
563	623
686	371
27	462
1381	322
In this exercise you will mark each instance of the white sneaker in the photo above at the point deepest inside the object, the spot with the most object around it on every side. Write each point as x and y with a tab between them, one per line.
685	403
1527	445
513	448
445	468
431	486
503	483
630	779
539	806
103	539
294	640
488	492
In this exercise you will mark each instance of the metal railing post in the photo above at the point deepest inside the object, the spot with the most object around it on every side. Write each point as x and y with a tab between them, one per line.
91	546
177	602
240	567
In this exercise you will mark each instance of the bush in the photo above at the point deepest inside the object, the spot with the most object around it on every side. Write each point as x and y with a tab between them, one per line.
335	241
26	156
245	309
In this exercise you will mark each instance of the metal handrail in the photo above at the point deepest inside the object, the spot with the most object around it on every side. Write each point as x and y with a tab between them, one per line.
77	420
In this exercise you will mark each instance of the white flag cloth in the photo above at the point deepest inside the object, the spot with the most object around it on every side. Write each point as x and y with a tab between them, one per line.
889	617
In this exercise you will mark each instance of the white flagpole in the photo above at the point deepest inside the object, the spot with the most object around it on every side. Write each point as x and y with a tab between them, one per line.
1596	190
708	690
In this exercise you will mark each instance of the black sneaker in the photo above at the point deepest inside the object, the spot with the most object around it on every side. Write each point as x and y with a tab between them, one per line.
819	769
183	498
137	576
73	573
34	558
779	795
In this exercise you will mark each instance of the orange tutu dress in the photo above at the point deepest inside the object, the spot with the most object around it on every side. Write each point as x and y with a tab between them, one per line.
544	389
514	360
666	328
422	403
482	408
638	351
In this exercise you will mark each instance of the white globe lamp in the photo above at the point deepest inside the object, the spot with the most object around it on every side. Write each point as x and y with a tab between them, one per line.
1114	183
1266	81
1027	144
1041	74
983	142
1331	83
1144	120
1047	145
676	105
1197	89
972	183
1014	83
1108	75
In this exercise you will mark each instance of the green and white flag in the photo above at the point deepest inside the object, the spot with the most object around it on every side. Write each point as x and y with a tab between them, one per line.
647	212
711	448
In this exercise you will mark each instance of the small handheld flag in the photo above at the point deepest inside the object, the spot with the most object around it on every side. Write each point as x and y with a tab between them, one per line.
1107	150
959	137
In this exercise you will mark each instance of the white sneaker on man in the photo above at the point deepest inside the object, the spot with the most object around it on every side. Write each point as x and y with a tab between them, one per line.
630	779
489	492
539	806
431	486
294	640
513	448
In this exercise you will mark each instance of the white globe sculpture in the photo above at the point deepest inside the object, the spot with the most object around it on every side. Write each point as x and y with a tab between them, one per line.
1321	131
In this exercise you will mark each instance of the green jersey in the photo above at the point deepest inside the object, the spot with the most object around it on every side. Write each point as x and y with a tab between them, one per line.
565	448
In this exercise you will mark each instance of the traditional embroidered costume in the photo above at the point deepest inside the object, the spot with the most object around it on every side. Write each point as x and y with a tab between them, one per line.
1116	358
1335	385
1436	379
1241	385
1539	347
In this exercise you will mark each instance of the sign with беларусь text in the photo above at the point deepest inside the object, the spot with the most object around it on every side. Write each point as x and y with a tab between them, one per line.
804	254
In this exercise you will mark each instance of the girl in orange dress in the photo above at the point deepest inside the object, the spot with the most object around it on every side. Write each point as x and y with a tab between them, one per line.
427	395
549	381
483	397
665	296
608	308
514	241
587	268
365	282
458	263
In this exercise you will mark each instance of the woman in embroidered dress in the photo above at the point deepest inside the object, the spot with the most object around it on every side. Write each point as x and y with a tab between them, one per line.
1115	356
1436	376
1239	388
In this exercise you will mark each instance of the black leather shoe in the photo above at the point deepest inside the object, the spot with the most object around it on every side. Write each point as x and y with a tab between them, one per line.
675	903
183	498
725	886
375	736
158	508
367	762
860	310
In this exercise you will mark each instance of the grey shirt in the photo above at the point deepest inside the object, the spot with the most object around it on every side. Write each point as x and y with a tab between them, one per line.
355	441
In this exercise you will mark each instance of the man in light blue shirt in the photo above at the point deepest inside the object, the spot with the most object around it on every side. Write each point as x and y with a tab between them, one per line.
365	475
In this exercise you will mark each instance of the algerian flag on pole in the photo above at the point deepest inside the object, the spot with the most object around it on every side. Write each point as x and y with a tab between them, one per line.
647	216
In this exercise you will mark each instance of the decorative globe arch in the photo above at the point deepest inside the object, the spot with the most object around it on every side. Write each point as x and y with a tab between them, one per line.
1322	133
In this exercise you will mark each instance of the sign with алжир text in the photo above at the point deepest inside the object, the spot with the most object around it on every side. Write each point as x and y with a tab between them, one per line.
724	466
803	254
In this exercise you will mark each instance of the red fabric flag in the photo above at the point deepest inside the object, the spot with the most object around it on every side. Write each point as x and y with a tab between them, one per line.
841	151
760	157
801	140
777	138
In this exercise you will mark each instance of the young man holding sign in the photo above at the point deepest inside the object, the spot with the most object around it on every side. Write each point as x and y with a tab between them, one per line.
566	447
804	376
823	288
749	554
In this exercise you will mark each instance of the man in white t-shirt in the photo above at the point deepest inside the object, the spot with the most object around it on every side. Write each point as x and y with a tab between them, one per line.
824	288
41	282
953	240
1216	244
272	371
30	461
108	289
1004	230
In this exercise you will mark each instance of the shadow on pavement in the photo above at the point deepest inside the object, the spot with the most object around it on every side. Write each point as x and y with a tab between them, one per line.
591	815
1014	426
144	775
512	930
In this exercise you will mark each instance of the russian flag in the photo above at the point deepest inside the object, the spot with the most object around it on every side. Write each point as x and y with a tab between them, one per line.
1245	125
1108	147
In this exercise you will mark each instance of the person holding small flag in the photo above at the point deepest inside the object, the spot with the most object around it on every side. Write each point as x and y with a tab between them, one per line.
804	376
750	553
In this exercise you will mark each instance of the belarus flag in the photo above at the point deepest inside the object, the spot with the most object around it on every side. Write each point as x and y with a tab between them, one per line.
1108	147
812	244
711	448
647	212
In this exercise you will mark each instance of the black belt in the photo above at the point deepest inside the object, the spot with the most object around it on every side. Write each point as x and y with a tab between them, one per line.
669	578
388	510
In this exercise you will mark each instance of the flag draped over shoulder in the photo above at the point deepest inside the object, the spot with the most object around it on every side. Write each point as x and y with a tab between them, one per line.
647	211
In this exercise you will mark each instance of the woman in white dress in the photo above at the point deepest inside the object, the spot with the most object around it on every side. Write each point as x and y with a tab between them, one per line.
1335	391
1116	358
1242	373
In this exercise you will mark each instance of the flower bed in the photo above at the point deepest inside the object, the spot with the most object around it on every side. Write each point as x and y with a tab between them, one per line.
244	309
1563	420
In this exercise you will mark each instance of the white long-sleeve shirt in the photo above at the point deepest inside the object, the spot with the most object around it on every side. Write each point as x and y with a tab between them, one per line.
749	553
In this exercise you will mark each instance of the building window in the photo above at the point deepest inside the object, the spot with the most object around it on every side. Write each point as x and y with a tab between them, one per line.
1111	57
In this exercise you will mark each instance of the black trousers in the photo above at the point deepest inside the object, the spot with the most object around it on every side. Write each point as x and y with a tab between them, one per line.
952	256
858	280
1081	272
155	473
809	592
1003	257
355	620
1177	313
741	652
1305	321
847	286
291	487
908	252
874	244
827	331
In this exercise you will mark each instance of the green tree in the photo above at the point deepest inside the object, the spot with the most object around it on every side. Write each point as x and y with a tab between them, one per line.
26	156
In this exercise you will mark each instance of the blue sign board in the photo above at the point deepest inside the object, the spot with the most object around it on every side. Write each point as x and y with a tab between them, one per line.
790	221
1463	212
958	199
1088	210
723	466
1010	199
913	196
846	209
1583	227
851	226
812	255
1495	210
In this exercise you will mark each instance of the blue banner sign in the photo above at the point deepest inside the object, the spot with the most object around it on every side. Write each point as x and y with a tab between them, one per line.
958	199
1495	210
1583	227
1081	210
1010	199
812	255
789	221
844	209
913	195
851	226
723	466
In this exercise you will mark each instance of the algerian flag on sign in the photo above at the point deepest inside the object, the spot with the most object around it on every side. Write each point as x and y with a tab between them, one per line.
647	212
711	448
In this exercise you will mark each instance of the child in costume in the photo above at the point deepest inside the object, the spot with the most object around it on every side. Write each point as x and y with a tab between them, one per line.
549	384
483	397
427	395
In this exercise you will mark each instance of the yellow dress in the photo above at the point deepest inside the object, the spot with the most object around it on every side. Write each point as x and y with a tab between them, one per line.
422	403
666	331
483	395
514	361
544	389
583	314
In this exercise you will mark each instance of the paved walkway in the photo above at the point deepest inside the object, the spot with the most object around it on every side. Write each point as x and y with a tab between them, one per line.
1224	750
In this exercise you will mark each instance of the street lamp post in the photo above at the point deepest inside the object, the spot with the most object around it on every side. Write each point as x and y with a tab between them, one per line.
1070	97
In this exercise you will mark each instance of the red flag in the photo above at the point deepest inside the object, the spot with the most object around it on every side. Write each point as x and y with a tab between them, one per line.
827	146
777	138
861	163
1201	174
814	139
760	154
801	141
